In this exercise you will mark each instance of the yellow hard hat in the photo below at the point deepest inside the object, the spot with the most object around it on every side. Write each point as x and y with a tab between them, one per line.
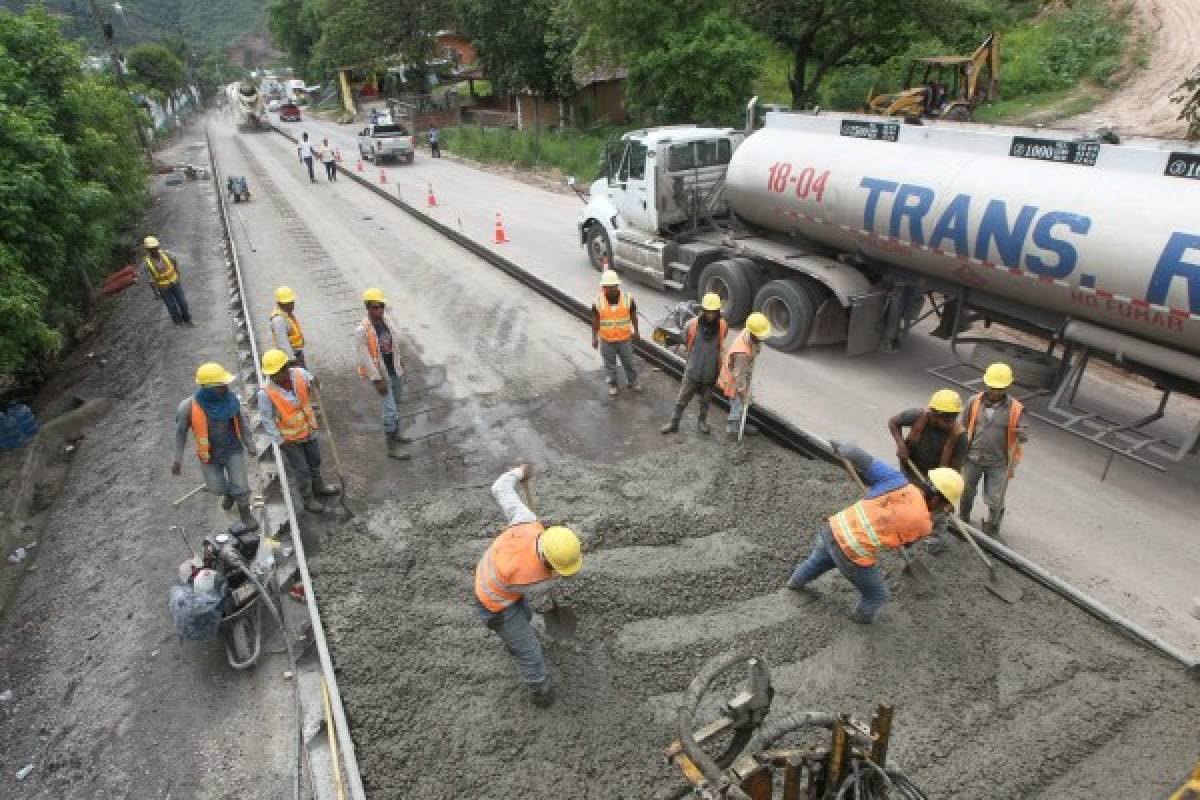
560	547
273	361
948	483
213	374
998	376
946	401
609	278
758	325
711	302
284	294
374	296
150	242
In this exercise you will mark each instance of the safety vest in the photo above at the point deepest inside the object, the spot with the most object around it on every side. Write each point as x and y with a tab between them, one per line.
742	343
890	520
167	275
918	428
510	567
200	432
616	323
694	325
1015	409
295	335
296	422
373	350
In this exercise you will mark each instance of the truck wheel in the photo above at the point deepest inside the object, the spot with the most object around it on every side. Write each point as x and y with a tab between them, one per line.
958	114
731	282
598	246
791	311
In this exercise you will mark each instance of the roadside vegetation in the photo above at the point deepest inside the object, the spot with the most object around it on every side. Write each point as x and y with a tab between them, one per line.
72	184
568	152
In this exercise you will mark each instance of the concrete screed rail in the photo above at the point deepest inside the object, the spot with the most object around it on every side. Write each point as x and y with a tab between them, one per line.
346	744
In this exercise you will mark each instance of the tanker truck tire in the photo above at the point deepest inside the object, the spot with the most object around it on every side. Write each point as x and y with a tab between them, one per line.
598	246
734	284
791	310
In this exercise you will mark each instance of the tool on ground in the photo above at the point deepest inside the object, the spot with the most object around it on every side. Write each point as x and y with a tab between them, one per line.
188	495
1008	592
186	543
913	567
331	733
337	460
561	620
746	413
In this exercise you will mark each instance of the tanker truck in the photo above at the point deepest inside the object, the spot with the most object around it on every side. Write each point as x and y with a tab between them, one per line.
841	227
247	105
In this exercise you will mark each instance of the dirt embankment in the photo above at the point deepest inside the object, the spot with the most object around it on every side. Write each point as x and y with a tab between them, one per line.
687	551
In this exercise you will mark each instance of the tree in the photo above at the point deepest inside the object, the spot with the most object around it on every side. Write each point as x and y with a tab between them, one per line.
373	31
157	69
1188	95
293	27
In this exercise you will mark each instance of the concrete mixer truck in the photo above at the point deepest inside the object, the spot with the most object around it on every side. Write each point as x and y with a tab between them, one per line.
247	105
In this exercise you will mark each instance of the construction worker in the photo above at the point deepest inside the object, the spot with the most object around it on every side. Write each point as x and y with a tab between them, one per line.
162	268
218	423
286	334
996	433
935	439
379	362
614	328
307	154
894	513
705	341
526	557
737	370
289	419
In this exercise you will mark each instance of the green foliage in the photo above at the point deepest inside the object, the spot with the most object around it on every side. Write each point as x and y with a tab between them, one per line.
71	181
1058	49
577	154
155	67
1188	95
520	46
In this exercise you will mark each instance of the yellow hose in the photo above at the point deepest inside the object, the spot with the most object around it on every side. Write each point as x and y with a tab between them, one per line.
333	747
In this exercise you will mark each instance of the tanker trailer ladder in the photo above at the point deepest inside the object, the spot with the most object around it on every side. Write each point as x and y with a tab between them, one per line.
772	425
348	766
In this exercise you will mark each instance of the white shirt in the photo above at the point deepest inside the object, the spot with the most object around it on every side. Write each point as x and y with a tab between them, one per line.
306	150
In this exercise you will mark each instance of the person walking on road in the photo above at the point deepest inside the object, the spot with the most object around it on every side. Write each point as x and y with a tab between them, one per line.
305	151
737	371
526	557
614	329
894	514
218	423
935	439
286	334
705	343
379	362
162	268
996	433
329	159
434	148
290	421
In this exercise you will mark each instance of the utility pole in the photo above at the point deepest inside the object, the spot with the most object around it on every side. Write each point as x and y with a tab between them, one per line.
106	30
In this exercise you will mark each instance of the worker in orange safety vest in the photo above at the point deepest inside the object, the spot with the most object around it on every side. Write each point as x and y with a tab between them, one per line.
894	513
704	337
285	328
526	557
737	371
614	330
996	433
379	362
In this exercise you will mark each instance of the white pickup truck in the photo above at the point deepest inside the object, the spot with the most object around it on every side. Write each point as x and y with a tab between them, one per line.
380	142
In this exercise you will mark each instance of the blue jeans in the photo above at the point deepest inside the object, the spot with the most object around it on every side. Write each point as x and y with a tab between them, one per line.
513	625
610	352
995	486
826	555
304	463
389	403
176	303
228	478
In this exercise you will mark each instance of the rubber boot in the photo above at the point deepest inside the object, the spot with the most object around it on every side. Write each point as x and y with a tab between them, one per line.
702	425
322	489
226	502
396	449
312	505
542	694
673	425
247	516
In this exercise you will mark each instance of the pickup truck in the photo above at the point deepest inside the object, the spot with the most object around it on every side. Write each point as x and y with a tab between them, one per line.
380	142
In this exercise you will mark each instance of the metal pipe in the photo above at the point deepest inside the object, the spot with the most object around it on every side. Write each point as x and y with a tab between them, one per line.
751	107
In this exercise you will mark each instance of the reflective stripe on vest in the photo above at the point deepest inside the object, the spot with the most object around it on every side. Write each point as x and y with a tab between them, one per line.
918	429
167	275
510	567
372	350
1015	409
295	422
616	323
722	329
200	431
295	335
742	343
891	520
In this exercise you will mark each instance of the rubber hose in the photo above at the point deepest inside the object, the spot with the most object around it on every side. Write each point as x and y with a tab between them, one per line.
686	713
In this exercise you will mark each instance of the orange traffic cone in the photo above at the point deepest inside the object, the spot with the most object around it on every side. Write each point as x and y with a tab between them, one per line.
431	199
501	238
603	263
382	177
337	155
359	168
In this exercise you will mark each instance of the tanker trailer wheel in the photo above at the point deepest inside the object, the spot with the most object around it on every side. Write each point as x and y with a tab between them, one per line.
731	282
598	246
791	311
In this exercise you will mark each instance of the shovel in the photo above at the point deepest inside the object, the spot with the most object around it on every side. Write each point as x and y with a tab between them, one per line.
913	568
561	620
337	461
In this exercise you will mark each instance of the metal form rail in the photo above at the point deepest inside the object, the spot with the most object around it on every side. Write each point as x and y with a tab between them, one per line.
780	430
349	760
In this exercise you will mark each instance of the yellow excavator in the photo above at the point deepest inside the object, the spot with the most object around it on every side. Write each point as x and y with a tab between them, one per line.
945	87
